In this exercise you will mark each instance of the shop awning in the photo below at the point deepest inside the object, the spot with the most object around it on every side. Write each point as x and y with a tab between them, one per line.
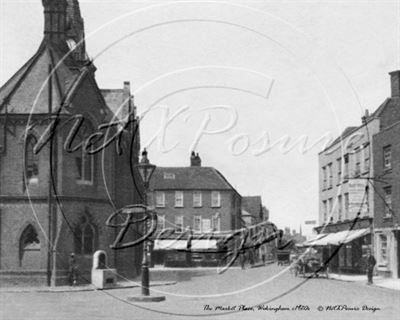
340	237
310	242
203	244
170	244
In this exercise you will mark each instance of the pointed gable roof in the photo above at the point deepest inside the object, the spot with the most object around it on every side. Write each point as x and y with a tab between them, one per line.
27	91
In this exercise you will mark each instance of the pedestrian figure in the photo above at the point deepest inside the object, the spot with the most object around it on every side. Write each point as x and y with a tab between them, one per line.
243	259
72	270
371	262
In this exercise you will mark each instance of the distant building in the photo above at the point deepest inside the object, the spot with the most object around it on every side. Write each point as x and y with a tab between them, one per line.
192	201
255	219
386	152
55	200
346	196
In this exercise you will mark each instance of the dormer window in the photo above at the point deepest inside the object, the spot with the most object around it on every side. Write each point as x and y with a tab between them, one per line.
168	175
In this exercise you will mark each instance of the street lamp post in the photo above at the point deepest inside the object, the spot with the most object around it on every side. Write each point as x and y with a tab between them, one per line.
146	170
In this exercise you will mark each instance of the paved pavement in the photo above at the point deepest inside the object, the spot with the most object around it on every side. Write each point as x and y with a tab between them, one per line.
87	287
278	294
388	283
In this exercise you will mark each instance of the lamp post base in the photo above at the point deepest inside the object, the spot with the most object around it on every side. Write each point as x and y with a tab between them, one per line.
146	298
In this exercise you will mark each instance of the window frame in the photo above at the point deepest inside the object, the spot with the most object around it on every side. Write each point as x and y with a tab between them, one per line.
387	160
80	247
330	176
197	203
382	250
217	218
161	221
194	224
179	204
178	220
346	162
346	205
84	156
388	202
366	158
218	199
162	203
324	178
357	162
339	170
31	160
340	207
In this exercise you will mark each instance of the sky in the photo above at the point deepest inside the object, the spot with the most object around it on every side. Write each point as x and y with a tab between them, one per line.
257	88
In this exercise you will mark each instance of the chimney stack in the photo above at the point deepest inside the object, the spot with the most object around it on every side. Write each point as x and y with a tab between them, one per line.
395	83
55	16
195	160
365	117
127	100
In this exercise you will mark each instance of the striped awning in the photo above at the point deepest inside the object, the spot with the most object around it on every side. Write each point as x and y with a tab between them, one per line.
310	242
203	244
170	244
341	237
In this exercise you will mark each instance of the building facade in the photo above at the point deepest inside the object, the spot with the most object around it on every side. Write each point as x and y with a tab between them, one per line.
63	168
346	193
255	218
387	200
196	202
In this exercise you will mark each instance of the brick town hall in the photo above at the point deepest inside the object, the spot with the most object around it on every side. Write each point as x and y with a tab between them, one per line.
55	195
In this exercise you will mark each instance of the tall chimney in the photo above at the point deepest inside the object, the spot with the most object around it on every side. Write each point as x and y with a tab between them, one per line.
395	83
127	100
55	13
195	160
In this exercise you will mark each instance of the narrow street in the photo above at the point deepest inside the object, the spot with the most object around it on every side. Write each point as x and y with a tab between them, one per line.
269	287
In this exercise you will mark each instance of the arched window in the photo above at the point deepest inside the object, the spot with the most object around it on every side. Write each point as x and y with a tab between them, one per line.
31	160
29	248
83	160
85	237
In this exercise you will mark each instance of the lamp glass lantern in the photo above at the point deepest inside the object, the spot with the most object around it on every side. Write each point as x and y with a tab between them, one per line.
146	169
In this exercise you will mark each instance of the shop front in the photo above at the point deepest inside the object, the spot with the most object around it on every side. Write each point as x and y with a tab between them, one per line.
188	252
345	251
387	252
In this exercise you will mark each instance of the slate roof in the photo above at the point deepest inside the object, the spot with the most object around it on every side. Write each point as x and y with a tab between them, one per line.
27	89
252	205
189	178
346	132
392	102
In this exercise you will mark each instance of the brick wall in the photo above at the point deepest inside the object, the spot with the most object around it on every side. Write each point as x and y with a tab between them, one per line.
228	210
390	136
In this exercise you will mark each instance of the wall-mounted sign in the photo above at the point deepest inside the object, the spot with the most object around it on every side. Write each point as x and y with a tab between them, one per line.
358	197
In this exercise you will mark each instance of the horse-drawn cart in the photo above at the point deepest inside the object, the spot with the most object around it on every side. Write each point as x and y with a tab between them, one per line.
310	267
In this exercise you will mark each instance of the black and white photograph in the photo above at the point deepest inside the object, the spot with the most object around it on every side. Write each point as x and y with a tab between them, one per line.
189	159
